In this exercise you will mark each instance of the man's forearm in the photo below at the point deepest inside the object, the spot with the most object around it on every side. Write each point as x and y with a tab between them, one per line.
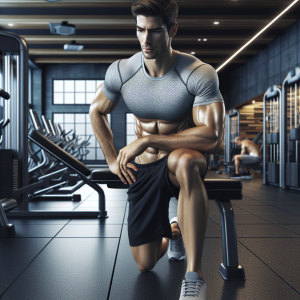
204	140
103	135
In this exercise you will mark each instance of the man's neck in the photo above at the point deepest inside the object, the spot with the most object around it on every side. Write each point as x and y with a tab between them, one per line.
161	65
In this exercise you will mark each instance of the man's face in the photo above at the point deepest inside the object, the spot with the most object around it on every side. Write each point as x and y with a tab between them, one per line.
238	142
153	35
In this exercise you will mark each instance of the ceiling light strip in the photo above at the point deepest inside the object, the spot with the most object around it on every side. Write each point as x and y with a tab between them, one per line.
227	61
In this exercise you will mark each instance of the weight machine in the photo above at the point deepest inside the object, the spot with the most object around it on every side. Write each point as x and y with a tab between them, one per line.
290	129
271	125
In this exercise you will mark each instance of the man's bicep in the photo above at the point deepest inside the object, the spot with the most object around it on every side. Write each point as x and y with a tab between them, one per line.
212	115
101	103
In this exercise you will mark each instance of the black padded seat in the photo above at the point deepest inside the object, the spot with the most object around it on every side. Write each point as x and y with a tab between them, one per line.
221	189
59	153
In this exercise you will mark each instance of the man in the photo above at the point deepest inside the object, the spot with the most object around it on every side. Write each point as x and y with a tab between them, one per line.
168	92
254	157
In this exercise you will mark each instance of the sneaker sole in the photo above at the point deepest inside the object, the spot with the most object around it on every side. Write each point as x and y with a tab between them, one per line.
246	177
174	258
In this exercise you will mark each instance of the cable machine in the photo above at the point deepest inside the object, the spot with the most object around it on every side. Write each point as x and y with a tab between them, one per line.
290	128
14	80
271	125
232	130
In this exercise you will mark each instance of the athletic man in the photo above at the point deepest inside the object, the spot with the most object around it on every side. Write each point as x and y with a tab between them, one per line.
254	157
179	117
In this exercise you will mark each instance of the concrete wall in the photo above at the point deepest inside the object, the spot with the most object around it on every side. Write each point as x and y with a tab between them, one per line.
269	66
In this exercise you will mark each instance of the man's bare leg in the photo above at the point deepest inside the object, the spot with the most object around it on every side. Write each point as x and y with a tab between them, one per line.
192	214
237	162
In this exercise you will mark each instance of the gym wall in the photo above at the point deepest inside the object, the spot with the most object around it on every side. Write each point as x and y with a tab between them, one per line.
269	66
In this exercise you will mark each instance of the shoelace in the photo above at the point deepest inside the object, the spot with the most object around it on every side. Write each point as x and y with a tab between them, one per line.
191	288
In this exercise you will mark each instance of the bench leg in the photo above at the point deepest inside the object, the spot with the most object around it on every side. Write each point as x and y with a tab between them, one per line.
101	195
230	268
6	230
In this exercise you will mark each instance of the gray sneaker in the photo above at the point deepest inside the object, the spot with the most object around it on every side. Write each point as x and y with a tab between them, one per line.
193	288
176	249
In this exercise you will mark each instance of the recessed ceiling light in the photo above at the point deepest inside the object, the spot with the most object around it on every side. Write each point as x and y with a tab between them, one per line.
192	52
10	24
199	40
236	53
204	40
253	101
216	22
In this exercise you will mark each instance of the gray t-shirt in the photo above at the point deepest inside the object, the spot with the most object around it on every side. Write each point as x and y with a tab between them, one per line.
188	84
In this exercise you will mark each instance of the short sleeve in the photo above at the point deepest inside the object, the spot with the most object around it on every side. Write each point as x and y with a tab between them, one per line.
112	83
203	83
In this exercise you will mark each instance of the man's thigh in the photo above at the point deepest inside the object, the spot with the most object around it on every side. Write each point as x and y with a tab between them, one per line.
182	158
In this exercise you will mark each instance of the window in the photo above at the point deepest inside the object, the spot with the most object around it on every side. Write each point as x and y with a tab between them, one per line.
130	134
74	91
81	124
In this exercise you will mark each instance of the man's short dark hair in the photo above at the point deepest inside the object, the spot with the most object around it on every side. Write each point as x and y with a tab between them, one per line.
238	139
167	9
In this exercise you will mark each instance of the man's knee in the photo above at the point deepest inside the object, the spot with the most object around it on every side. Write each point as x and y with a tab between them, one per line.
238	158
147	255
189	163
146	267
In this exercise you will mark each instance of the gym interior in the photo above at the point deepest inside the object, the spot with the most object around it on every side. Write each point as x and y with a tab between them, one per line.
58	195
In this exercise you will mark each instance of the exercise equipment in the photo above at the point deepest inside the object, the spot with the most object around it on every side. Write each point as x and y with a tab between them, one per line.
6	204
271	125
290	131
14	80
232	130
3	123
220	190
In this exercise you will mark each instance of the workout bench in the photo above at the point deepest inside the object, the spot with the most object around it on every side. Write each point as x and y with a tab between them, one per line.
219	190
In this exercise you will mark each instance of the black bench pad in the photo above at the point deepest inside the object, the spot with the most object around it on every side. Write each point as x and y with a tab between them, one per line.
59	153
221	189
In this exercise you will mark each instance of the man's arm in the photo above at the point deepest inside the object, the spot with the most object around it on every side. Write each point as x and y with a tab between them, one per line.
244	149
100	107
206	137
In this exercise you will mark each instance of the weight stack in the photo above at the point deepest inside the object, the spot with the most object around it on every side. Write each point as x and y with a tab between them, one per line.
8	173
292	174
273	172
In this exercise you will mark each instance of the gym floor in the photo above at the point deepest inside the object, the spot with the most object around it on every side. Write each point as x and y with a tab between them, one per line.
64	259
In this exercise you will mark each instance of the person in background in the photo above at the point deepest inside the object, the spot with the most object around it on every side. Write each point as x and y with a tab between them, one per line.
254	156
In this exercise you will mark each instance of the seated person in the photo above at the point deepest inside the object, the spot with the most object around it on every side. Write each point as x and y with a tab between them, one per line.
254	157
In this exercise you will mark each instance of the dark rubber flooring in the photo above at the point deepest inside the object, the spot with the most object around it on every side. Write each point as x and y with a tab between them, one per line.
63	259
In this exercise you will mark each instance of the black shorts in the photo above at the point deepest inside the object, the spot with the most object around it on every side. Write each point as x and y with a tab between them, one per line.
149	198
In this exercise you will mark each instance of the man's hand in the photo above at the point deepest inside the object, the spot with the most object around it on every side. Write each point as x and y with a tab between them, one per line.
115	169
127	155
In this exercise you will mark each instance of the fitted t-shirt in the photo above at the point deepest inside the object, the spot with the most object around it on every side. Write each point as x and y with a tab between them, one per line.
188	84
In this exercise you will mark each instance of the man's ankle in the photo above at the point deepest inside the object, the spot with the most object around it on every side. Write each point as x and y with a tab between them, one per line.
176	233
175	236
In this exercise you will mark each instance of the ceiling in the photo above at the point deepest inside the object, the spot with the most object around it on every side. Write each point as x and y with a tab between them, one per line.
107	28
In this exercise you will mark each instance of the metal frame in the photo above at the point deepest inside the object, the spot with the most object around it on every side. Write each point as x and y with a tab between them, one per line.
18	106
292	77
230	114
272	92
18	114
